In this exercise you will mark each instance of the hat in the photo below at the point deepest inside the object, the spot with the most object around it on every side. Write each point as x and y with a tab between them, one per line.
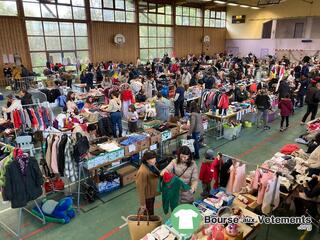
10	96
209	154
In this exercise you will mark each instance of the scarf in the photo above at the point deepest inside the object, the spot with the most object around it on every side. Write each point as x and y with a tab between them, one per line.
23	161
152	168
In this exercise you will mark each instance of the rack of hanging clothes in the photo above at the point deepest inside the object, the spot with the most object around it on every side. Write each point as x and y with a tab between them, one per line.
21	182
232	174
64	157
207	98
37	116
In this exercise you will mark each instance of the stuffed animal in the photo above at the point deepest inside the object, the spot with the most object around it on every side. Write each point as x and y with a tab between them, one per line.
60	212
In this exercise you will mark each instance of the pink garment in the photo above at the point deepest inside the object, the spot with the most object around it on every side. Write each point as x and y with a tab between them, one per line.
54	154
240	178
232	170
268	199
263	186
256	179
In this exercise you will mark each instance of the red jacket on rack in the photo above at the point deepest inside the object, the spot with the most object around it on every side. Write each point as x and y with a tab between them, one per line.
224	101
17	122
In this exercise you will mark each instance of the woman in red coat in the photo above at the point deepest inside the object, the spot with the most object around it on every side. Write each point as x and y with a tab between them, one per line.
286	109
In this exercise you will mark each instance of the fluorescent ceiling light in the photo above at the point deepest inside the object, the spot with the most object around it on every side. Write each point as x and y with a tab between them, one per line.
233	4
220	2
255	8
244	6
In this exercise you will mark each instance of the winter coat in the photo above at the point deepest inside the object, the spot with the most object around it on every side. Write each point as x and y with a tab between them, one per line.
147	184
286	107
262	102
223	102
313	95
20	189
284	89
170	192
205	174
196	123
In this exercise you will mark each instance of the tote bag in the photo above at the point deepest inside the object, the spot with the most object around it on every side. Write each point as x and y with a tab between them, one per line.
140	225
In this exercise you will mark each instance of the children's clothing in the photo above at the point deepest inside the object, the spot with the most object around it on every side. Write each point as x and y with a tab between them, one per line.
170	186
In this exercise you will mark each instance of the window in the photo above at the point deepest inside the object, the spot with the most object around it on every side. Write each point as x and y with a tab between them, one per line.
64	42
267	29
215	19
113	10
298	30
155	40
8	8
58	9
186	16
154	13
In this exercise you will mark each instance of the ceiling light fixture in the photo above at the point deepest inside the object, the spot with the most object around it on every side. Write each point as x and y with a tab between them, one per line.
220	2
233	4
255	8
244	6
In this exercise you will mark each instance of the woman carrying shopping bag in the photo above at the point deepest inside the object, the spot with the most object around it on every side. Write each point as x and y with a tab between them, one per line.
147	183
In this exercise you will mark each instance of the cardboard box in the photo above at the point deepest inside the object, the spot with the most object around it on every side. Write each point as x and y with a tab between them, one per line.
175	129
155	136
127	175
142	145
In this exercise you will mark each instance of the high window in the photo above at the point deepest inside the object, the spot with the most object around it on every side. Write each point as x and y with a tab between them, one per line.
57	42
113	10
155	30
216	19
8	8
57	9
187	16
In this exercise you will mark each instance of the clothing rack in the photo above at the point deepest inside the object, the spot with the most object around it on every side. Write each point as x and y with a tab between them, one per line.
274	190
236	159
17	233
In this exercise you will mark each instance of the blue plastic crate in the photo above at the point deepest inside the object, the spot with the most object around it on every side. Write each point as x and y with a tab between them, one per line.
213	192
208	206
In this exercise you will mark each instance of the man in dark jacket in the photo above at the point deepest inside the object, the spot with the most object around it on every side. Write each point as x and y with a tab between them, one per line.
208	82
263	105
88	79
24	71
304	83
240	94
26	98
312	99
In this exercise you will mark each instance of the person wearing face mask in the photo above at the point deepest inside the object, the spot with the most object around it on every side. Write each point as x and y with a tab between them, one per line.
147	182
71	105
186	169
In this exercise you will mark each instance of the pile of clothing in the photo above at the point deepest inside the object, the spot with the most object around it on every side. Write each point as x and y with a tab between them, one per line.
133	138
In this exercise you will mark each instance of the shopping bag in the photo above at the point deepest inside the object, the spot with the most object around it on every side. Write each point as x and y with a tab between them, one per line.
140	225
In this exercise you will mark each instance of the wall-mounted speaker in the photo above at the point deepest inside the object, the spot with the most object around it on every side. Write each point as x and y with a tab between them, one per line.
306	40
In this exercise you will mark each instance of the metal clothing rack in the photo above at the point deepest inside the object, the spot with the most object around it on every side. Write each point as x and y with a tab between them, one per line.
17	233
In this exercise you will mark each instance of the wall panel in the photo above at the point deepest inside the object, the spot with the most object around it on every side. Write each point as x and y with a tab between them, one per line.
189	40
217	40
13	40
103	47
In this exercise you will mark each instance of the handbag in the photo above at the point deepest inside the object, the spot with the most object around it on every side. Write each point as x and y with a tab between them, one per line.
140	225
